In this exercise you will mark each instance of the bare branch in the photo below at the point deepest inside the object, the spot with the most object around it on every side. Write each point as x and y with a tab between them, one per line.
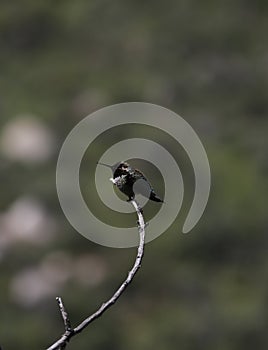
69	332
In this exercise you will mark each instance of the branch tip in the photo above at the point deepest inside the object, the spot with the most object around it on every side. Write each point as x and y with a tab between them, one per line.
64	315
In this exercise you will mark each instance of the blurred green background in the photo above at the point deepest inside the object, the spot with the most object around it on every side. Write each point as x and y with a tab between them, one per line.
208	62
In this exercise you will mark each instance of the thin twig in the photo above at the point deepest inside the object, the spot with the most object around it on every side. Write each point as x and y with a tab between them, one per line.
69	332
64	315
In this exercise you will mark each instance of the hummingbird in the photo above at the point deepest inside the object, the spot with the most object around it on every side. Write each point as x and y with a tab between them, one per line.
131	181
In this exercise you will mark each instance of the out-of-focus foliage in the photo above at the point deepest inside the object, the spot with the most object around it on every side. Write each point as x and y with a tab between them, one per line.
207	61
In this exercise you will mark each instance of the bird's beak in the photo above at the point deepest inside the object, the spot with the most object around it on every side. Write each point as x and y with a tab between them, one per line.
108	166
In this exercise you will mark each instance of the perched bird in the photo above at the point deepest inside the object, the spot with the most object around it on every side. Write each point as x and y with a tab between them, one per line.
131	181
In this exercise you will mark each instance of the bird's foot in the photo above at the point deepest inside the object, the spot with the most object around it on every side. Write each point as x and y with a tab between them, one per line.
145	225
140	209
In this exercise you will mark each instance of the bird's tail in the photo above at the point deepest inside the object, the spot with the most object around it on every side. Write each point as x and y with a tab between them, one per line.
155	198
